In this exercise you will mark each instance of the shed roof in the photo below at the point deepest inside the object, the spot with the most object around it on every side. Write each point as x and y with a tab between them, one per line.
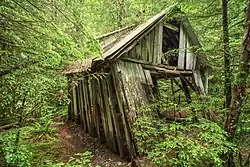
115	47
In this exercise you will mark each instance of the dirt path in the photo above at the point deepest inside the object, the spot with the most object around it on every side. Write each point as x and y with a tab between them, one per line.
73	141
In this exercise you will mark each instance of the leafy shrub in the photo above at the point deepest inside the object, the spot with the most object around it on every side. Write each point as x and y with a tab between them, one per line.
181	144
15	153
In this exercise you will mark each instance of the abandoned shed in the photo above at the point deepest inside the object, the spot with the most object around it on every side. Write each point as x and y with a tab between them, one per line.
105	94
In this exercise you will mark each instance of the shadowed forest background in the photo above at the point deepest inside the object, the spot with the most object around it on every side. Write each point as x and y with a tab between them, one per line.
40	38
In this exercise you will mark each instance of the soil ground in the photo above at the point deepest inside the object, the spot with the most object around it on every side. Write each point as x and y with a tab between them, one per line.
73	141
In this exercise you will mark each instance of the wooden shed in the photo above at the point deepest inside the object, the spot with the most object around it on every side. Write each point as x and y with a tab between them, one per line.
105	94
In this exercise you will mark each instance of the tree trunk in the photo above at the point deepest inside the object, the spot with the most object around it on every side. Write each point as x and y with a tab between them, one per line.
239	90
227	71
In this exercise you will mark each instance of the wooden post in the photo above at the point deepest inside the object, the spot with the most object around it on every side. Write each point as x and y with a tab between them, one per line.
182	48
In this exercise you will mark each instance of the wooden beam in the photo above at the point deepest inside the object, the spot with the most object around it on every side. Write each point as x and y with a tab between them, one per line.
147	63
171	27
167	71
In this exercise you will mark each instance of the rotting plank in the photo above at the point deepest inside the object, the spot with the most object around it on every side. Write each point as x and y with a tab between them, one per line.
108	116
166	71
77	104
189	57
182	48
80	106
156	36
198	81
151	34
171	27
138	50
149	84
70	96
141	79
86	103
148	49
147	63
94	83
160	39
89	107
121	104
143	49
132	53
74	103
103	113
92	122
83	114
118	130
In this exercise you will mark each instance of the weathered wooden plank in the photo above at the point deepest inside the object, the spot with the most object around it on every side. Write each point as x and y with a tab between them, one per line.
171	27
151	34
198	81
92	121
90	101
118	129
148	49
133	93
182	48
80	105
83	113
166	71
70	96
194	62
160	40
123	108
147	63
139	80
189	57
144	49
138	51
94	85
103	113
111	135
148	77
132	53
148	85
78	121
86	103
74	103
156	51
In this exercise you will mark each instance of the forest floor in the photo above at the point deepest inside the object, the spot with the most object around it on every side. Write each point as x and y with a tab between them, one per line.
73	141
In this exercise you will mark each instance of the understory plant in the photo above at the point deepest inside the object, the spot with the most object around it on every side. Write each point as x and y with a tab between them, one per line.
185	143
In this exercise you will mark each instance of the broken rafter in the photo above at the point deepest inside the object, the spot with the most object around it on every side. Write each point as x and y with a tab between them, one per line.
146	63
171	27
167	71
159	68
